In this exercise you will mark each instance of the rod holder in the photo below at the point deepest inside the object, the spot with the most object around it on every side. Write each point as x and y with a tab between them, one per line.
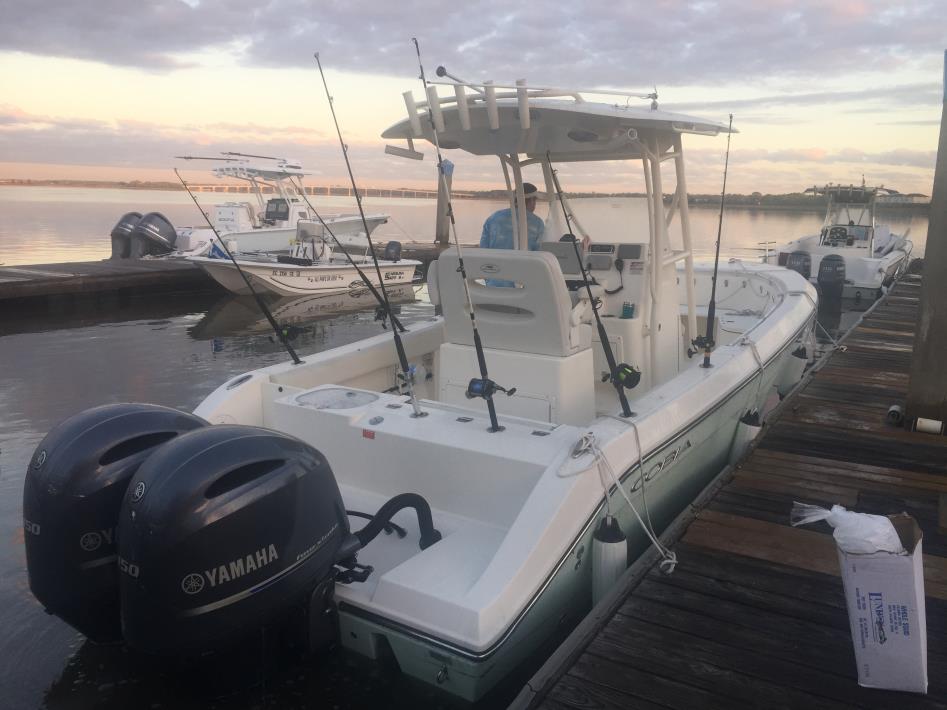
522	101
434	103
493	113
463	108
412	113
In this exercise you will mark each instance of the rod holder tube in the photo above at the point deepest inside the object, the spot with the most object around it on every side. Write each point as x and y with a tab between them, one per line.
412	113
463	108
493	113
434	101
522	102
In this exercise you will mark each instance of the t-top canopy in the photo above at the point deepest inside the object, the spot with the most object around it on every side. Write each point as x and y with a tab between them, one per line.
851	194
569	130
249	171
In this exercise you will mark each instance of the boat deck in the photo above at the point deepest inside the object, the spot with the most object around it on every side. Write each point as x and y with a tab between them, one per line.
754	615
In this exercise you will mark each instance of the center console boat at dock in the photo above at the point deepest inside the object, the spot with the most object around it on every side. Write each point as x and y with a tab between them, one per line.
244	511
852	257
266	225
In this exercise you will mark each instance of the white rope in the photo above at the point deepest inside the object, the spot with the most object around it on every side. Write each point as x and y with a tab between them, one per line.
838	346
588	444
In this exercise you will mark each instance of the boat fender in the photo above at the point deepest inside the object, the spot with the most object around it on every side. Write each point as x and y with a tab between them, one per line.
748	429
609	556
793	371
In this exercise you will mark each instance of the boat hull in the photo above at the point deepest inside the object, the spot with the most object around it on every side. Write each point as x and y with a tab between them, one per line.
675	474
289	280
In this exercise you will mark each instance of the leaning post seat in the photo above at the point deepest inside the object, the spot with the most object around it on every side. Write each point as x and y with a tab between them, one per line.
531	338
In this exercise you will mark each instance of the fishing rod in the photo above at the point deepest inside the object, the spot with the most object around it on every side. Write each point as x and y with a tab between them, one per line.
407	373
382	305
266	311
708	340
484	387
621	376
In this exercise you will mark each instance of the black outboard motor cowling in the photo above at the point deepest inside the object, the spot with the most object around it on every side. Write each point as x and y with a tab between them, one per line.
222	531
800	262
154	235
121	234
72	495
832	275
393	251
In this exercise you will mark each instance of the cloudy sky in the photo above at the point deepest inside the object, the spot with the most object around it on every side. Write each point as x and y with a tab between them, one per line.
820	91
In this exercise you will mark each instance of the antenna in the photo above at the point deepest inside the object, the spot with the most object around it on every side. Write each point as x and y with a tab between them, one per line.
250	155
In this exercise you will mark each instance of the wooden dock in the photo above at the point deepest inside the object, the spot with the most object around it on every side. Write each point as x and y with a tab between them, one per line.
37	281
754	615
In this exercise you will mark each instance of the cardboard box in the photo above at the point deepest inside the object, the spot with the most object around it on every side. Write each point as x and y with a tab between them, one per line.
884	593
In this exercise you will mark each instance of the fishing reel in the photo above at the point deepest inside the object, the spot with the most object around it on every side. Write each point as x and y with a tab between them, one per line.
701	343
485	389
626	375
381	314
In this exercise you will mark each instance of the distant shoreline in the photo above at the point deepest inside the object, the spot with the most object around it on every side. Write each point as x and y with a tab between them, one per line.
791	202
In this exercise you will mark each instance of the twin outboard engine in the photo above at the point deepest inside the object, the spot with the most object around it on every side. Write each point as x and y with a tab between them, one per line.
832	276
154	235
71	499
222	531
122	234
801	262
146	524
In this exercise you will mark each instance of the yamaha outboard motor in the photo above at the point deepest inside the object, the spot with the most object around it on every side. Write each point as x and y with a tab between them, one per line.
153	236
800	262
121	235
832	276
393	251
224	531
71	499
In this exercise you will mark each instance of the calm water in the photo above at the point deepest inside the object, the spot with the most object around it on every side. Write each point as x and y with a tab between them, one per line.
44	224
174	351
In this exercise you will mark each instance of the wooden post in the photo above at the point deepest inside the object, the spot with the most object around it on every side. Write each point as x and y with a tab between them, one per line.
442	226
927	392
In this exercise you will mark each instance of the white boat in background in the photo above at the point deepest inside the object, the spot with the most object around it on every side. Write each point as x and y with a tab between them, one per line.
236	315
266	225
502	525
851	257
312	267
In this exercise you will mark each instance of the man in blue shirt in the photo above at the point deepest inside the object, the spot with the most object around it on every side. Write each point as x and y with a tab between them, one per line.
498	229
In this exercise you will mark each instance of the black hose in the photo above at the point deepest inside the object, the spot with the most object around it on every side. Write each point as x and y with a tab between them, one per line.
390	527
429	535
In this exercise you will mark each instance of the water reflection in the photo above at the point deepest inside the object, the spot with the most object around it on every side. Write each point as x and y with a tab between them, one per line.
234	315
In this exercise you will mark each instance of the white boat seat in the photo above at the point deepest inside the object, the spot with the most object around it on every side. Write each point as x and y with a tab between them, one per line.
533	339
533	316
